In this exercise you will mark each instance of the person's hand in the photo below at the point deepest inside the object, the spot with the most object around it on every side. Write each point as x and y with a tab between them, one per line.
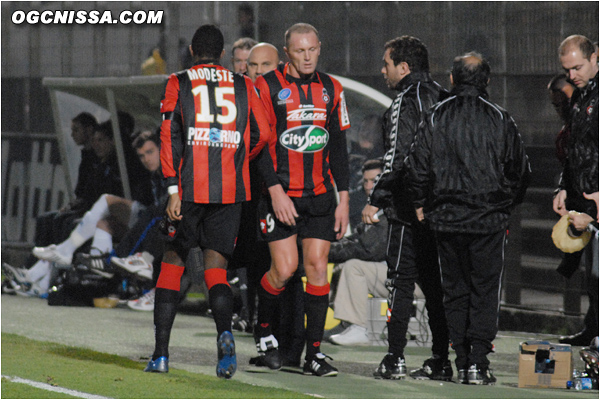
283	205
593	196
420	215
342	215
368	214
580	221
174	207
558	205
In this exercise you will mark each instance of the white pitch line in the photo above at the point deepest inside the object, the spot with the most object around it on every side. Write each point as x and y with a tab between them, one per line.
51	388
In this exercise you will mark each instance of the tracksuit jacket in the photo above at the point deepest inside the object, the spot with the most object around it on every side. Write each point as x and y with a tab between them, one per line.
469	166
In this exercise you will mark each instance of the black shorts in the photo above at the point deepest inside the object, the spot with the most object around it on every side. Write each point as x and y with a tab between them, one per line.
210	226
316	218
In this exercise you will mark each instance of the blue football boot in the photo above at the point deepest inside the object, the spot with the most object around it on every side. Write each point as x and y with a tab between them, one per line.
161	364
226	353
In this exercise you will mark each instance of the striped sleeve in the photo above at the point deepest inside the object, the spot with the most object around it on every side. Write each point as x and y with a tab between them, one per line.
171	148
260	129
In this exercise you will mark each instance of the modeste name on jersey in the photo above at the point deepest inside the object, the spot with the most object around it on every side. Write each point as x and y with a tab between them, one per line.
213	137
210	74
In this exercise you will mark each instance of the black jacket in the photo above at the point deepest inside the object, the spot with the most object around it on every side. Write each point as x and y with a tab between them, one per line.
580	173
469	166
418	92
368	243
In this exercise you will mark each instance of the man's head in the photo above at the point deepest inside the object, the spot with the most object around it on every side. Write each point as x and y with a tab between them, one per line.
82	128
560	92
302	47
103	143
370	170
470	69
239	54
207	43
403	55
579	59
147	147
263	58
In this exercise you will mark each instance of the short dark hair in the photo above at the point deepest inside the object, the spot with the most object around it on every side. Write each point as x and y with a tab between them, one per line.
372	164
86	120
584	44
208	42
106	129
410	50
244	43
471	69
558	82
300	27
143	136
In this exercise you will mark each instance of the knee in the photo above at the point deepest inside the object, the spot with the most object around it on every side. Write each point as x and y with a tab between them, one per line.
282	273
104	225
354	266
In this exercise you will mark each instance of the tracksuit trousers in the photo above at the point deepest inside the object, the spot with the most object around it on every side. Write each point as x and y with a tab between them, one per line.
471	266
412	258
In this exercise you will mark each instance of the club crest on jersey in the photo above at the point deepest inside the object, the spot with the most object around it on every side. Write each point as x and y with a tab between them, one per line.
325	96
284	94
305	139
589	110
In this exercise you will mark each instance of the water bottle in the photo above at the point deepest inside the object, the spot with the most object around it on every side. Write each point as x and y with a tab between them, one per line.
577	380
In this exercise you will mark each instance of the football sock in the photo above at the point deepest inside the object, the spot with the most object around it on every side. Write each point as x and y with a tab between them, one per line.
220	298
268	299
316	302
102	242
86	227
165	308
39	270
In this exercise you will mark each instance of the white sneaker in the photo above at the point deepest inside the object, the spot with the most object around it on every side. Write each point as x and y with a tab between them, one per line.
21	275
354	334
144	303
50	253
138	264
32	290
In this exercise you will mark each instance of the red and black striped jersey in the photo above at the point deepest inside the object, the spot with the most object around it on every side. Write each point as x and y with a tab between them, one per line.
213	124
309	151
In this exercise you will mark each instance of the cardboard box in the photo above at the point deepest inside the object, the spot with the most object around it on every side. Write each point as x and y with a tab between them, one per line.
544	365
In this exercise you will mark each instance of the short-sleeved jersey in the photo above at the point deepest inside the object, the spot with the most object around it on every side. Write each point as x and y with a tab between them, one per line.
309	115
213	123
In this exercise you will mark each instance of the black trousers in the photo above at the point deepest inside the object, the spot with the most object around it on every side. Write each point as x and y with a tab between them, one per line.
412	258
472	266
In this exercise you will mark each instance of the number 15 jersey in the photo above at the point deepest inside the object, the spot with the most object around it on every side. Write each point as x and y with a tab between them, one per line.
213	124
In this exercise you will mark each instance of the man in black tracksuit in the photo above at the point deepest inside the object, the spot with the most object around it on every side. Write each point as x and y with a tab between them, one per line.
579	60
411	255
468	170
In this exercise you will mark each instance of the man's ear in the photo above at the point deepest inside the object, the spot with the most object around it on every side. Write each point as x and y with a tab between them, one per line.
222	54
451	79
191	51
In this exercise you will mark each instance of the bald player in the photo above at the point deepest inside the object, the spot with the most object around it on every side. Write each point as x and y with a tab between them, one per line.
263	58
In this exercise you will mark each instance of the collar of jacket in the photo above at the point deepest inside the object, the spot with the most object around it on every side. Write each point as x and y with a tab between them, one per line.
411	78
208	61
592	84
469	91
300	81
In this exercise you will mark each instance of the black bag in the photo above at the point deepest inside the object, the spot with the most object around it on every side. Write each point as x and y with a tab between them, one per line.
77	288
